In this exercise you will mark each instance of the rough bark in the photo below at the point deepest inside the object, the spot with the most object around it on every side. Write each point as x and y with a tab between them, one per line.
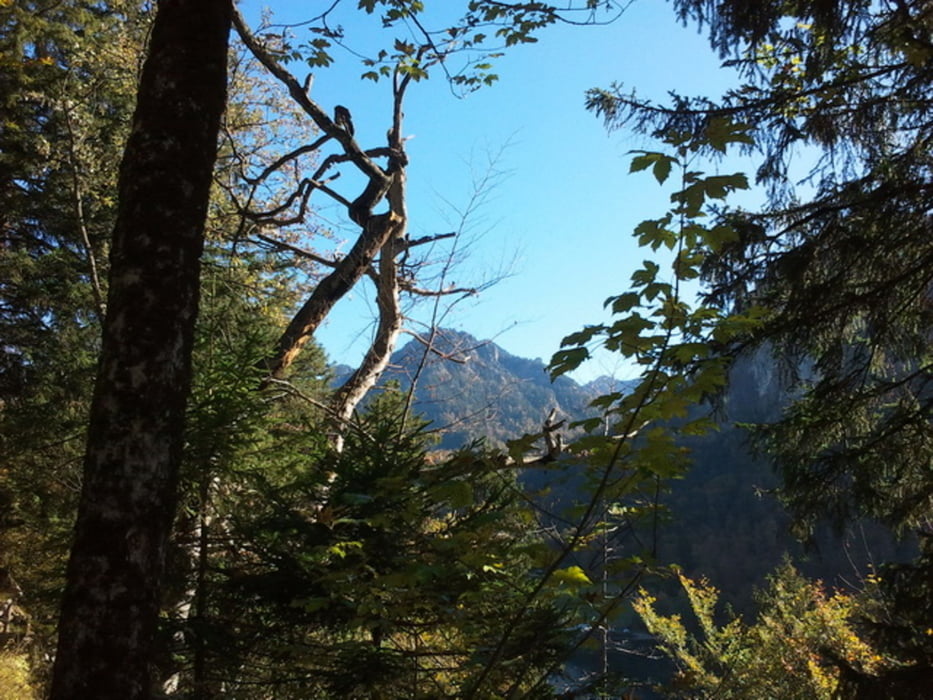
112	597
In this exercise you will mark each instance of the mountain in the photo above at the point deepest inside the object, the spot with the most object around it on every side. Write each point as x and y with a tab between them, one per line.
469	388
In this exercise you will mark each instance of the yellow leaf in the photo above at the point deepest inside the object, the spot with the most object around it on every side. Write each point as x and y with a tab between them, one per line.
572	575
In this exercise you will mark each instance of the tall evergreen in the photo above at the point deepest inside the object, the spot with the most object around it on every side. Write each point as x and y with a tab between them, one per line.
67	84
837	97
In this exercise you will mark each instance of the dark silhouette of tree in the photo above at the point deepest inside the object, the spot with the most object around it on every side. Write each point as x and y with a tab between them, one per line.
840	268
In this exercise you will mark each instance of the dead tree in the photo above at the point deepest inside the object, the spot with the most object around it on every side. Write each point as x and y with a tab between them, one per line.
381	245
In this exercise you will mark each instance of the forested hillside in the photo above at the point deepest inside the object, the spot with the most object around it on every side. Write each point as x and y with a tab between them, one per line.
724	520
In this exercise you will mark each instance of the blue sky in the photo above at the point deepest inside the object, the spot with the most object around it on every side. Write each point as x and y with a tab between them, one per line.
559	217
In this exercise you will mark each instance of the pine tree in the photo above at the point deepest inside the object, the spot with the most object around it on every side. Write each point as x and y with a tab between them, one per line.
68	80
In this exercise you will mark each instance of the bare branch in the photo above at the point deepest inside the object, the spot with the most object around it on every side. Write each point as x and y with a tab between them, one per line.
298	251
431	348
408	286
424	240
387	278
77	201
287	158
311	108
292	390
330	290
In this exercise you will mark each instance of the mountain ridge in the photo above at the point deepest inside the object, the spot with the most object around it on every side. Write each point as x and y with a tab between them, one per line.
469	388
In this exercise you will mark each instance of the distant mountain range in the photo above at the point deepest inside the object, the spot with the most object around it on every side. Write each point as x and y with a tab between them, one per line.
725	523
471	388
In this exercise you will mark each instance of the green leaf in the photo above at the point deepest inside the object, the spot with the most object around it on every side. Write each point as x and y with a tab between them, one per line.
653	232
656	289
660	163
646	275
565	361
642	162
691	198
584	336
624	302
588	424
458	493
519	447
311	604
404	47
662	168
720	132
718	186
341	548
606	400
719	236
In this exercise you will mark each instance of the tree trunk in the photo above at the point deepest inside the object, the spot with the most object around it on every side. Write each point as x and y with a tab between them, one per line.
112	597
348	397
